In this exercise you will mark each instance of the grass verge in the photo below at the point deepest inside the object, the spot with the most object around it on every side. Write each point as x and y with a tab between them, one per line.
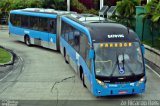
5	56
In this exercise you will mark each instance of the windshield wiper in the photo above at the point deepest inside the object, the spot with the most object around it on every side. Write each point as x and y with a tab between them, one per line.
130	70
114	68
124	63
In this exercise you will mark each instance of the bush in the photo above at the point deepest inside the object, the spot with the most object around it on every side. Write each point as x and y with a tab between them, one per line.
126	11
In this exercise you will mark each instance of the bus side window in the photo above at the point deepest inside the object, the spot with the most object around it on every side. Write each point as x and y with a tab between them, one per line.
24	21
77	40
16	20
66	36
63	29
71	35
66	32
88	61
52	26
43	24
34	22
83	44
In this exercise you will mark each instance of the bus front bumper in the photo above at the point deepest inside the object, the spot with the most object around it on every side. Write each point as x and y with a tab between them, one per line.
100	91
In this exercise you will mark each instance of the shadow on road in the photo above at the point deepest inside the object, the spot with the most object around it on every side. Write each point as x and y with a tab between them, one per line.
36	46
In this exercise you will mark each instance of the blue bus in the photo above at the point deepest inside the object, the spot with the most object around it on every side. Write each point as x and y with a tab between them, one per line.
108	57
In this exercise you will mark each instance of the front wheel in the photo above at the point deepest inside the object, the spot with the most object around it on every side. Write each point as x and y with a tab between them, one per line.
27	41
65	56
83	80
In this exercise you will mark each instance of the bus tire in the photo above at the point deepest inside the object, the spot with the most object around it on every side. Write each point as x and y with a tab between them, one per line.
65	57
27	40
83	80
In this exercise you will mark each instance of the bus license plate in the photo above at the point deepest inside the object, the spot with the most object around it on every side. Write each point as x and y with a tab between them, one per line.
122	92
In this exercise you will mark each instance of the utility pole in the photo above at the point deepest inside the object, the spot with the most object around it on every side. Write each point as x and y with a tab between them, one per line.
68	5
101	4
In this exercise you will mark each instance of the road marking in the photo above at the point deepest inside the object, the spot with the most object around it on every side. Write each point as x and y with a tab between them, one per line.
20	58
6	76
152	70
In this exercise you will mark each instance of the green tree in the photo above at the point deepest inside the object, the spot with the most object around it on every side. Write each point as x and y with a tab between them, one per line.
55	4
126	10
7	5
152	13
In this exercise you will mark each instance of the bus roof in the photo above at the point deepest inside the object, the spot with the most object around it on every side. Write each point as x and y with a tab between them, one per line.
31	11
102	30
111	32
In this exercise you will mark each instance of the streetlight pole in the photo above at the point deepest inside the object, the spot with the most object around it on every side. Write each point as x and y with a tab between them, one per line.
101	4
68	5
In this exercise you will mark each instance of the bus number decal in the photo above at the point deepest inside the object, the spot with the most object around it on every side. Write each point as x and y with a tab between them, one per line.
51	40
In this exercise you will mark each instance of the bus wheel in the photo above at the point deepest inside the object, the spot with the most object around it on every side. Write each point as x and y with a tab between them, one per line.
83	80
65	56
27	41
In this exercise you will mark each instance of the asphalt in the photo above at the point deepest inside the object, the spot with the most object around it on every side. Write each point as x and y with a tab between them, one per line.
42	78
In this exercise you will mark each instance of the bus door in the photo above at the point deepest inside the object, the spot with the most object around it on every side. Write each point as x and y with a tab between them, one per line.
52	33
84	50
88	74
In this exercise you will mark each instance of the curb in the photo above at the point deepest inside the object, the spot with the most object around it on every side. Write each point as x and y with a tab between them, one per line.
152	66
152	49
152	55
151	61
11	62
153	70
3	27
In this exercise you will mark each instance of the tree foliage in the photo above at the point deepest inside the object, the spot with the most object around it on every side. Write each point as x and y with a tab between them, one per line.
81	8
152	13
126	10
7	5
55	4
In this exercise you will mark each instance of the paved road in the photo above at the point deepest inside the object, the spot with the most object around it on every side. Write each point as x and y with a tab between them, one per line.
39	69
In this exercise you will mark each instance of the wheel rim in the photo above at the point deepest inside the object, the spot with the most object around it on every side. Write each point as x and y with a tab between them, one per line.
27	41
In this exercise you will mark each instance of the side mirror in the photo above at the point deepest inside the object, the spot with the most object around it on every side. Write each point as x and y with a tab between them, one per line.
143	49
91	54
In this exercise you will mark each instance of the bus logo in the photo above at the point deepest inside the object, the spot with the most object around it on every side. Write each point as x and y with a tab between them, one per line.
121	70
116	36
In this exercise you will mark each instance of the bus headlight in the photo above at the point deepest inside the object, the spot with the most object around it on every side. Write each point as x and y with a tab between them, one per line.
142	80
101	83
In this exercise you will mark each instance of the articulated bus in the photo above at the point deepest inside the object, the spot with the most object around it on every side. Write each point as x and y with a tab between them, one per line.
108	57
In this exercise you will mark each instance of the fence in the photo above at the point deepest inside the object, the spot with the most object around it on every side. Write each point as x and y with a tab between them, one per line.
147	33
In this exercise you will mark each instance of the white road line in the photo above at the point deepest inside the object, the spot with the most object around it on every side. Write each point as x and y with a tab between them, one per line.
152	70
6	76
20	58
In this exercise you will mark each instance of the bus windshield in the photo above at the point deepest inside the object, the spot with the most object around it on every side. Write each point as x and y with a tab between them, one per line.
118	59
